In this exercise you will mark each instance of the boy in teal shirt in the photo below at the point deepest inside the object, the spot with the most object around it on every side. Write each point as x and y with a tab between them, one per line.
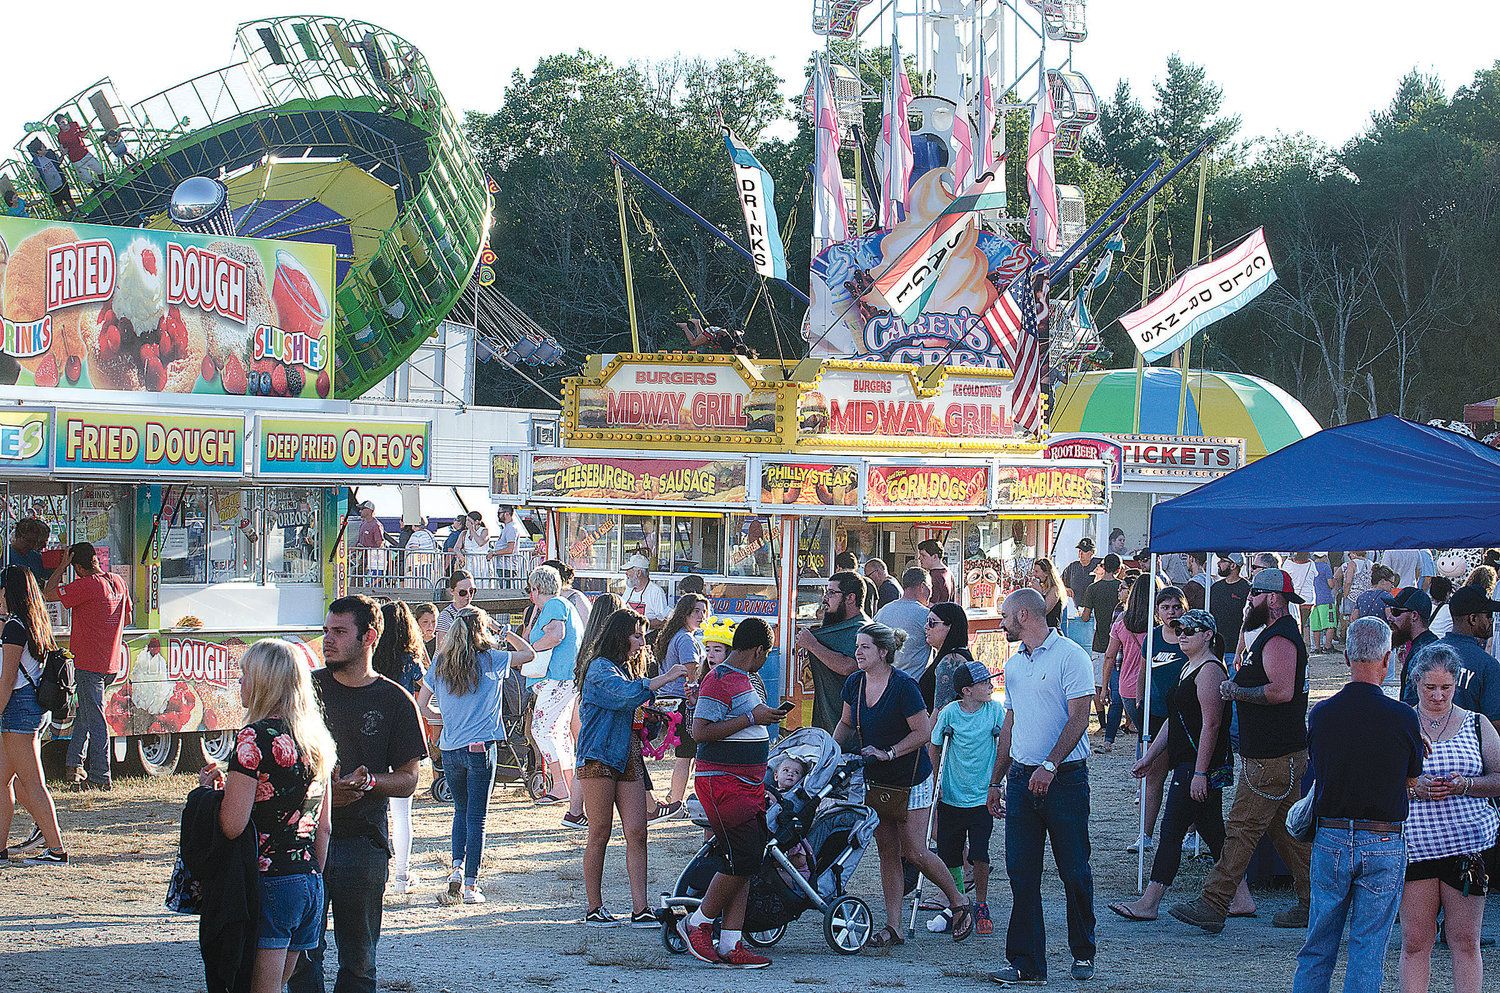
973	721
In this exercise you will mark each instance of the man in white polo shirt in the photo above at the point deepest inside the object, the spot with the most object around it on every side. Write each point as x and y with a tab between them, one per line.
1049	689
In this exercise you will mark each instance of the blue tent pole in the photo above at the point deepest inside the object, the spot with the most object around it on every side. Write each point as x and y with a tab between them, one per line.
661	191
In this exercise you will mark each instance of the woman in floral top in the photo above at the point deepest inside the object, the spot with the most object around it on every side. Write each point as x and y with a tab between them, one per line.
278	784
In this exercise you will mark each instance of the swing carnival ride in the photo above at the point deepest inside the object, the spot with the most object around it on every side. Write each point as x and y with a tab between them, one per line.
326	130
969	56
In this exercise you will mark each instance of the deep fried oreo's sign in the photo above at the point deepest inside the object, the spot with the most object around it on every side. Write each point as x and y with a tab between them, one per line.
207	280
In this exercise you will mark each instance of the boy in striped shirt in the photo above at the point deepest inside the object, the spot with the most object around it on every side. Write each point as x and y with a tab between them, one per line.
732	749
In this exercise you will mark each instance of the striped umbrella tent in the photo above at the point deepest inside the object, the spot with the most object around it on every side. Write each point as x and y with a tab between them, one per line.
1219	405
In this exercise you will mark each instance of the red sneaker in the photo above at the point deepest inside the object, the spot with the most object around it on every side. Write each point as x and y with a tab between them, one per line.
700	941
740	957
982	922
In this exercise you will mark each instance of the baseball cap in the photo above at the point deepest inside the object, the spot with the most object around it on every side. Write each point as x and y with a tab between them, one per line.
1411	598
637	561
1277	581
1468	600
1198	620
1237	558
1087	544
367	505
969	673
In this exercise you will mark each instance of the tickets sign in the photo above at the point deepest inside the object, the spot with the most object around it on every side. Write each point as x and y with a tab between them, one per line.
23	440
1066	488
607	479
1171	455
148	443
89	306
347	451
852	404
808	484
890	487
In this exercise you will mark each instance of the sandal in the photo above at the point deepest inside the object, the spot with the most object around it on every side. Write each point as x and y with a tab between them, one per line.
886	937
963	921
1123	909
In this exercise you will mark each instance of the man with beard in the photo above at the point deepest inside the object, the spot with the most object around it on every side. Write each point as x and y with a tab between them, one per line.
830	646
1271	691
379	740
1409	612
1478	686
1226	601
1048	693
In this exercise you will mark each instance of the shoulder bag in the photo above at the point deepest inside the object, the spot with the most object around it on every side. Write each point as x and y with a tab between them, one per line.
1220	776
889	802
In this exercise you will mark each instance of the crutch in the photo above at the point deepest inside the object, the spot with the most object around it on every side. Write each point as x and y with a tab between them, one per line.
937	791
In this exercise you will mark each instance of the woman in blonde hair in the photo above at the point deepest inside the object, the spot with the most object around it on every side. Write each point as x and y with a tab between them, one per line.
466	681
278	785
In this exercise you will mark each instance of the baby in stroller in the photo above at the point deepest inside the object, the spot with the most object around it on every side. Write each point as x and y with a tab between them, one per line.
810	814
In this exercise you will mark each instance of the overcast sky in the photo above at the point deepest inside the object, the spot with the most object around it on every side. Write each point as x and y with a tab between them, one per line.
1289	65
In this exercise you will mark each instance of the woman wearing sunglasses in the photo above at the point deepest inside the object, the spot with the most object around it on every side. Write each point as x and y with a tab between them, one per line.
1196	746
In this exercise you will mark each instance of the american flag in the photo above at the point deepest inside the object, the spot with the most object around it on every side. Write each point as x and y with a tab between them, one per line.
1014	323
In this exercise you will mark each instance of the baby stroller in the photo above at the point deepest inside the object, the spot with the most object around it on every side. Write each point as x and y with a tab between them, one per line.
815	812
516	760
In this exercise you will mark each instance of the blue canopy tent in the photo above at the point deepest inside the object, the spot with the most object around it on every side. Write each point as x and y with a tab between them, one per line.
1383	483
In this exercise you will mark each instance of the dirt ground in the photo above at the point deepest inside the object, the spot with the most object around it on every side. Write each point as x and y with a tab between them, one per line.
104	910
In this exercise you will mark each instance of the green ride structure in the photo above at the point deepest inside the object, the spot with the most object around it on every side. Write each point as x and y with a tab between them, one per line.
328	130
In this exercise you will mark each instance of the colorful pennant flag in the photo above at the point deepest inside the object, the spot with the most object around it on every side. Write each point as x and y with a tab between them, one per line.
757	192
895	130
830	215
961	138
987	127
1041	178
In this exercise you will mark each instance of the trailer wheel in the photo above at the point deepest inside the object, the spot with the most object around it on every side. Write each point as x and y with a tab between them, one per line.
153	754
212	748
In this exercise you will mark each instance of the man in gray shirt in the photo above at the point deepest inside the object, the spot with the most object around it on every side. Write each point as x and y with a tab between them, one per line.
909	614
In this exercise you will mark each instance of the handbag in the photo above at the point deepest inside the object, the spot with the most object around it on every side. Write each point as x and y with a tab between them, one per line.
891	803
1301	823
1220	776
537	667
184	892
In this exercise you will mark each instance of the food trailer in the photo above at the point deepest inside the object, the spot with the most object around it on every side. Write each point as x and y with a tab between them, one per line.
755	475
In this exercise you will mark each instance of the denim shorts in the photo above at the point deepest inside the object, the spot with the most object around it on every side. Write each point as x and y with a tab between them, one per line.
291	911
23	715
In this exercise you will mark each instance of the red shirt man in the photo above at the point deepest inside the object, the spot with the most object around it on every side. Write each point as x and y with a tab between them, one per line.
101	608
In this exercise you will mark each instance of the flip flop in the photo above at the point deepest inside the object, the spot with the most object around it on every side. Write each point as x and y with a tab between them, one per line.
963	921
1130	915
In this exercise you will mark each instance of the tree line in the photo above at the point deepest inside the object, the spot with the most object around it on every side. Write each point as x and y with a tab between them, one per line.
1385	247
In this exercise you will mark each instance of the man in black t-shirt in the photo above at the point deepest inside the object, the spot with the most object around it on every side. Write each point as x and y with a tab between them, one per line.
1226	601
1099	602
379	740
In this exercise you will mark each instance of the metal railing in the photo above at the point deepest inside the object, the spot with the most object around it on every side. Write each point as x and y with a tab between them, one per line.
392	569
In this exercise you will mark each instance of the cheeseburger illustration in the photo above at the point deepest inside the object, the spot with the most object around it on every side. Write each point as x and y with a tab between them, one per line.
593	409
760	411
812	412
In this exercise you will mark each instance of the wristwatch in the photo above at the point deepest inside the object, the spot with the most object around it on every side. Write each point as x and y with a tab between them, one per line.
1049	765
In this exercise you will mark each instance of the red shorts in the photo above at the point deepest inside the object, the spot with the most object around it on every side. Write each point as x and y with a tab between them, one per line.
736	813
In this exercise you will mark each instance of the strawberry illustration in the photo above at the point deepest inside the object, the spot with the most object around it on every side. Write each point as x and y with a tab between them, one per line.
46	371
74	368
156	375
233	376
278	380
208	368
148	260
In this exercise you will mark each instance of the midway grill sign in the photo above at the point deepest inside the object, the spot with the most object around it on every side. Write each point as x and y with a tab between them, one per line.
848	404
685	399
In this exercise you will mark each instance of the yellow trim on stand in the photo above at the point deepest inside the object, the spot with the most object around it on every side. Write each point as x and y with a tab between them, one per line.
663	512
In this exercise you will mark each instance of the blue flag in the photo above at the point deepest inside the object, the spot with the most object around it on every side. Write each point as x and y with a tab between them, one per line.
757	193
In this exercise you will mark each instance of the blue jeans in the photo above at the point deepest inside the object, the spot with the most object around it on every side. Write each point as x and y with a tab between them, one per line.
90	733
1116	707
1063	816
1357	876
472	776
353	885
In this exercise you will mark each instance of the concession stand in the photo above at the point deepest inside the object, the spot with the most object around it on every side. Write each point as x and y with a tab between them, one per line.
754	476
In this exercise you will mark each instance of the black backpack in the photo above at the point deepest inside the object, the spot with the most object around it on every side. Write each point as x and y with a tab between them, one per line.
55	688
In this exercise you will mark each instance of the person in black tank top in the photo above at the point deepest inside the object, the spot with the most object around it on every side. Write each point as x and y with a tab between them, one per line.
1270	690
1196	744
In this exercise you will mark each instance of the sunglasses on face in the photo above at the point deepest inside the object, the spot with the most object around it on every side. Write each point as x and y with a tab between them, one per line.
1396	611
1185	629
933	622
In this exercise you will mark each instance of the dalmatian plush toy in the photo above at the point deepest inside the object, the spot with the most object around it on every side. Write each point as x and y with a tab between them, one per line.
1457	563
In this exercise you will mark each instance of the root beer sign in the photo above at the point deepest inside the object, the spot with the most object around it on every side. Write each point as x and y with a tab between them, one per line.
1068	488
891	487
611	480
850	403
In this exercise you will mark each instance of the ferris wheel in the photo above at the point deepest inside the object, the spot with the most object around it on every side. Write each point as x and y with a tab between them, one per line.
325	129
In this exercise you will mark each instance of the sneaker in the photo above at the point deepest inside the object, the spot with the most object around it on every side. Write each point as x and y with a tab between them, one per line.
1083	968
456	881
74	774
48	856
575	820
1011	976
472	894
644	919
740	957
1144	841
665	811
1293	916
31	844
699	939
402	885
599	917
982	922
1199	914
940	923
